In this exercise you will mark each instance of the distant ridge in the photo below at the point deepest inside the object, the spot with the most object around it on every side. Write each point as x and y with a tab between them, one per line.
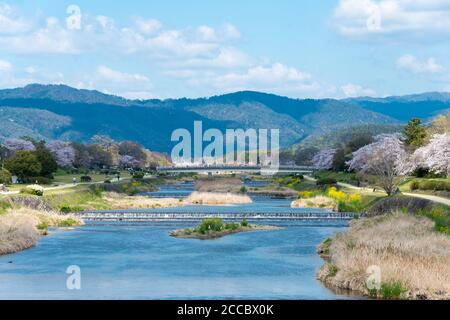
62	112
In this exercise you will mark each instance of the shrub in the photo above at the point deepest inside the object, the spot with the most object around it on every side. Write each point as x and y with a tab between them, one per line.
305	194
434	185
355	197
210	224
35	190
326	181
415	185
244	223
336	194
107	181
42	226
136	184
69	222
231	226
5	176
138	175
392	290
65	209
85	179
69	209
243	189
332	269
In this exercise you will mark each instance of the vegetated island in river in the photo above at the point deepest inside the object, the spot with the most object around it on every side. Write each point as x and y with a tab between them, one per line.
213	228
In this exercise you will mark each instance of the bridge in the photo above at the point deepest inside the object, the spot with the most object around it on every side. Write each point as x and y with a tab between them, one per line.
195	216
216	169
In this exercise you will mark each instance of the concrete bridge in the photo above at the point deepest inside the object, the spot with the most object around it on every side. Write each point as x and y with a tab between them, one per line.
195	216
214	169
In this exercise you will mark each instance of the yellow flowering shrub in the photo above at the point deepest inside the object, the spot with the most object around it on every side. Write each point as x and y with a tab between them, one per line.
355	198
306	194
336	194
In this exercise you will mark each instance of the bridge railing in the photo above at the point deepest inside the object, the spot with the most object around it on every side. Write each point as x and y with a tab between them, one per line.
234	167
226	216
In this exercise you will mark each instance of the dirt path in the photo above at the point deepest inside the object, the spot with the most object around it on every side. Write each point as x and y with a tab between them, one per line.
429	197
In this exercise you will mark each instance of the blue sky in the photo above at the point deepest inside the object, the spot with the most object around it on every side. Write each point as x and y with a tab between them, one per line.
161	49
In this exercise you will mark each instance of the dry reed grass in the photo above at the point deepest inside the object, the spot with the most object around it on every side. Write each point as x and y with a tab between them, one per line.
406	248
18	227
315	202
119	201
212	198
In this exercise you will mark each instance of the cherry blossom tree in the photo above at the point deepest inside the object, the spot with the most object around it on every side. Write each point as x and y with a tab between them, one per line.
323	159
127	161
435	156
385	158
14	144
63	152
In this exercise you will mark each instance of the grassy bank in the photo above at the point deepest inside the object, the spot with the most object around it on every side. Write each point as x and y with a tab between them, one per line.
413	257
334	199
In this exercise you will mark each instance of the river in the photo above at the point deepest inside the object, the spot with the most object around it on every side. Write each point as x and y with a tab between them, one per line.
126	260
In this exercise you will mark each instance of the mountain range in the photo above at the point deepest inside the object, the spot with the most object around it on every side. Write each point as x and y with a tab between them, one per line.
61	112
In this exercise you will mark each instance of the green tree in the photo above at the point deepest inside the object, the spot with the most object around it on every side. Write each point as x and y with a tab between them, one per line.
48	162
98	157
4	152
339	160
415	134
24	164
5	176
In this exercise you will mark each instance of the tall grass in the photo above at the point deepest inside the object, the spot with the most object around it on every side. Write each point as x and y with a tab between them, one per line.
119	201
407	249
212	198
20	227
17	232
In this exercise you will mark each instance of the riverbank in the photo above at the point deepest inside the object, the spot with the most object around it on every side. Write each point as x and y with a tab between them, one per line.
413	258
21	227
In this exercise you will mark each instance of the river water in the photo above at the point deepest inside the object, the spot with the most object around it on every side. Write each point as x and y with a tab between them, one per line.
120	260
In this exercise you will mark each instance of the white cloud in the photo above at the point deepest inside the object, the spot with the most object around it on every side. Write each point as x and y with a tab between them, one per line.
376	18
51	38
230	31
117	76
276	78
148	26
207	33
413	64
5	65
204	58
10	22
96	33
351	90
272	74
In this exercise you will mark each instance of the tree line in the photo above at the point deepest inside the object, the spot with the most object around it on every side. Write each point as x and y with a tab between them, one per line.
31	160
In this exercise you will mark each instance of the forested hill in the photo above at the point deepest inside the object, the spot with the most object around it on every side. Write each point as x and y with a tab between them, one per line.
60	112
